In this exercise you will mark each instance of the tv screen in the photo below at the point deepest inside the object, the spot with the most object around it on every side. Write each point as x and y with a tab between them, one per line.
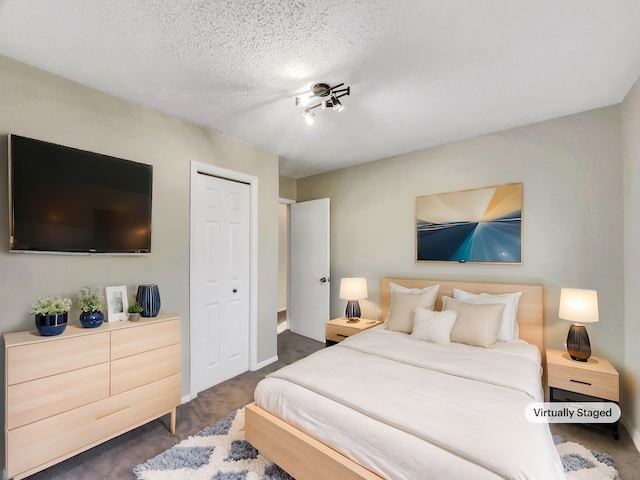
67	200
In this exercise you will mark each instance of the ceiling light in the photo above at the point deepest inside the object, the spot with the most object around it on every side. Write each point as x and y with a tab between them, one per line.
337	104
322	90
308	117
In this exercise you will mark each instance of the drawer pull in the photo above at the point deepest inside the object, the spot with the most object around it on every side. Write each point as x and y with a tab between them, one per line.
580	381
99	417
341	335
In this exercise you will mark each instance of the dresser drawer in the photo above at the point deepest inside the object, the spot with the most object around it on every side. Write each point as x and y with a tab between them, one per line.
137	370
61	436
595	384
31	401
50	357
131	341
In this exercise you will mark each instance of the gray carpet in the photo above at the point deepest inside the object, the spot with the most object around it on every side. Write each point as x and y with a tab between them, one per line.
117	458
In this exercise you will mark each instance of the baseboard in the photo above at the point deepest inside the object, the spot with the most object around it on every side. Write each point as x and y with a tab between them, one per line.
633	433
264	363
283	326
187	398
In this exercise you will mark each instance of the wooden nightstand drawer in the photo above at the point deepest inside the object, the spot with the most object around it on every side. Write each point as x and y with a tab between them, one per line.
595	377
338	329
337	333
595	384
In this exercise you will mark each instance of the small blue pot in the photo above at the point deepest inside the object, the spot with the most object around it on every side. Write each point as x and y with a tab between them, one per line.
51	324
91	319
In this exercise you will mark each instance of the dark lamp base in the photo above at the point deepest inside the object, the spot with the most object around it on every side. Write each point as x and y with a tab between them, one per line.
578	345
353	311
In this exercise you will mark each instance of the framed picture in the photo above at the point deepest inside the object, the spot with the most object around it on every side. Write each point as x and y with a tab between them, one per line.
117	303
483	225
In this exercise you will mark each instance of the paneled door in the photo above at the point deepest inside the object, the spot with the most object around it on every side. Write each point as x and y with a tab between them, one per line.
309	257
219	318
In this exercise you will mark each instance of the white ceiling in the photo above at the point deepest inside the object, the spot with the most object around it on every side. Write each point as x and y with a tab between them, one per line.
422	72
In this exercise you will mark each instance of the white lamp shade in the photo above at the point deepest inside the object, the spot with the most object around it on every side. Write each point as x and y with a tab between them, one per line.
579	306
353	288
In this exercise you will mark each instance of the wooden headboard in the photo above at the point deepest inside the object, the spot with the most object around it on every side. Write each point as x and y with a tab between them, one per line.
530	307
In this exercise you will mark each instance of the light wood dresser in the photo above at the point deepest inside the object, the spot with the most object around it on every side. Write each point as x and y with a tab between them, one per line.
68	393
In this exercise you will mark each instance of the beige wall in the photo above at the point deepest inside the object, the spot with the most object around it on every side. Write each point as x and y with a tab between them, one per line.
36	104
288	188
571	169
631	155
283	255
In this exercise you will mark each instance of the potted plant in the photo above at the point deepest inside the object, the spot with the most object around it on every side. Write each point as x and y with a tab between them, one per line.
134	312
51	314
90	302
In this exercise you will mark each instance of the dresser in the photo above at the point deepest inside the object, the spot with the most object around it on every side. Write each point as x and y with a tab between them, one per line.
68	393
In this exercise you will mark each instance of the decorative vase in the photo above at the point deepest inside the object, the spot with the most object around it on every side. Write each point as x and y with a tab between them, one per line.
134	317
91	319
148	297
51	324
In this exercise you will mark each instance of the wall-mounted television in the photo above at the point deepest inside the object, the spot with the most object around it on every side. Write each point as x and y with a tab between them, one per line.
65	200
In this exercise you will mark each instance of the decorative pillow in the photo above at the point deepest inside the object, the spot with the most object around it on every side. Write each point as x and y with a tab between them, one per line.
475	324
508	331
433	326
404	301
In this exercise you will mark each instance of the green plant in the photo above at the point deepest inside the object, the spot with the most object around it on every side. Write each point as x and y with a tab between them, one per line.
50	305
135	308
89	300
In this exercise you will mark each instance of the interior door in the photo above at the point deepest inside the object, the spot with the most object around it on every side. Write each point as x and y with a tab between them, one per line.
309	259
220	281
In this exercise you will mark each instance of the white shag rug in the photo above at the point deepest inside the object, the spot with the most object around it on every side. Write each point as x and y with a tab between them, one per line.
220	452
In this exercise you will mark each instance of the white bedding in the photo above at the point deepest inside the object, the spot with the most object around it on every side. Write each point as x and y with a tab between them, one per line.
409	409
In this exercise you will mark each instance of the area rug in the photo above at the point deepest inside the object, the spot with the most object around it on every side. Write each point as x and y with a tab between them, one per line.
580	463
220	452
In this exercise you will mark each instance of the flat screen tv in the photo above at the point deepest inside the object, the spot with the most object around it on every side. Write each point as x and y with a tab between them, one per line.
66	200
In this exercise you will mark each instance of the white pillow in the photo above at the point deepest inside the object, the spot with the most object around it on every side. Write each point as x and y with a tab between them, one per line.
433	326
508	331
404	301
432	290
475	324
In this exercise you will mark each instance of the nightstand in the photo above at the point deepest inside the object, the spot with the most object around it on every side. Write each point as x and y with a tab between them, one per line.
592	381
338	329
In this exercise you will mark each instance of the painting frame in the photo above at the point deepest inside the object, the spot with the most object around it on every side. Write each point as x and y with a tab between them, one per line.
117	303
480	225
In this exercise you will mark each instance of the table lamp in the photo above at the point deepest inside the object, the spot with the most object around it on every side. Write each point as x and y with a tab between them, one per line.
578	306
353	289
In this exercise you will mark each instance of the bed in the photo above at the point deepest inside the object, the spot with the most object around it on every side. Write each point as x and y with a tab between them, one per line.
383	404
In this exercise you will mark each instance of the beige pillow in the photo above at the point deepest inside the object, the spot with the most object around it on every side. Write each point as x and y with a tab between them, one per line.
475	324
403	304
433	326
508	331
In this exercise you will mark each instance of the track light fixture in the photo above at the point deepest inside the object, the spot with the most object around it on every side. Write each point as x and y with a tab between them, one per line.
322	90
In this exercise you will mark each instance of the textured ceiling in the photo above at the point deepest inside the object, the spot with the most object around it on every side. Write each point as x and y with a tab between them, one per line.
422	72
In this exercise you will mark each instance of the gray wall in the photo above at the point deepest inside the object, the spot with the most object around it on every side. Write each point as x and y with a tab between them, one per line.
631	154
571	169
37	104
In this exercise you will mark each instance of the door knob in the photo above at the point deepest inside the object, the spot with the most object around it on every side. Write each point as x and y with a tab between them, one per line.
324	280
235	290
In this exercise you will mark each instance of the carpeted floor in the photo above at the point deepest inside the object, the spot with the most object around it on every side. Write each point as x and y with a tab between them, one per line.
117	458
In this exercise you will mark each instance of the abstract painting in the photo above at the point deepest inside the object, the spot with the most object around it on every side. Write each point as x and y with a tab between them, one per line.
480	226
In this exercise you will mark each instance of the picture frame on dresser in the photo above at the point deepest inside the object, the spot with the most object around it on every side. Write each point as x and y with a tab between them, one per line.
117	303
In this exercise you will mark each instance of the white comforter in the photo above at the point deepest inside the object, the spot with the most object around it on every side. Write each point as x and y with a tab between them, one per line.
408	409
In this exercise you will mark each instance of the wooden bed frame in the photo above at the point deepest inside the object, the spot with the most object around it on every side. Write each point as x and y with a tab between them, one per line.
305	458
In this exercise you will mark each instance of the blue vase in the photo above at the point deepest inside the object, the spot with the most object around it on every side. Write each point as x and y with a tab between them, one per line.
51	324
148	297
91	319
